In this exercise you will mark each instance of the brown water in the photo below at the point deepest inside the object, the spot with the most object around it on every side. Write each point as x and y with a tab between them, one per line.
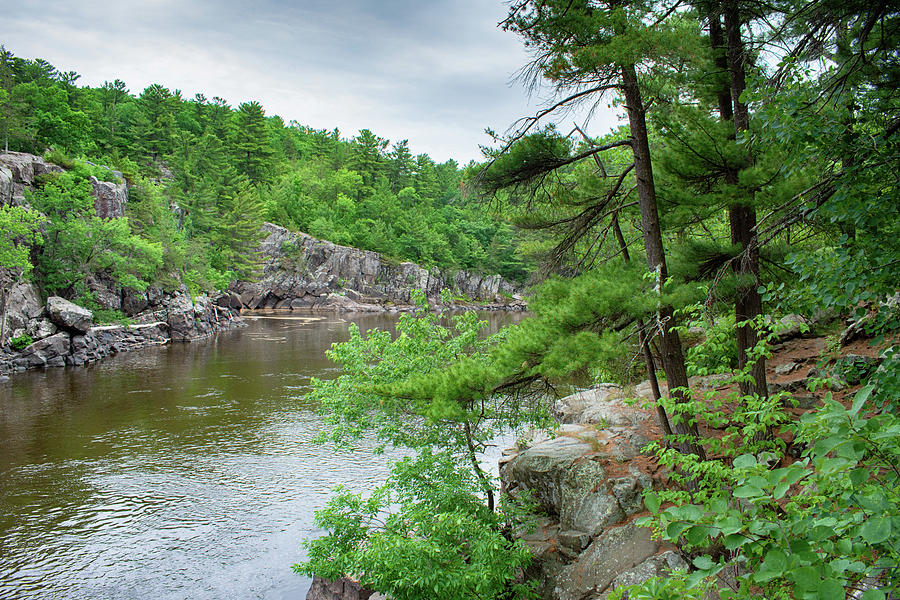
184	471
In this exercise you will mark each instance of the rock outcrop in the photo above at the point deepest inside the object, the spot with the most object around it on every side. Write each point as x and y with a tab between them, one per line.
19	171
65	335
588	481
109	198
302	272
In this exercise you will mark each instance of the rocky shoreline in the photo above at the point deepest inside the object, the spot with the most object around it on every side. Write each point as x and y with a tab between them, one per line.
64	333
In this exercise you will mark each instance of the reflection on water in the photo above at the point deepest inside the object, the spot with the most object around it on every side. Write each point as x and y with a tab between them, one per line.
182	471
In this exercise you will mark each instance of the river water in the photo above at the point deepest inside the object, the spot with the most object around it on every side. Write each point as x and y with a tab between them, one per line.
183	471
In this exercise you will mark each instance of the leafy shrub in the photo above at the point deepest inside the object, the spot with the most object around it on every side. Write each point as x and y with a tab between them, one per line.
21	342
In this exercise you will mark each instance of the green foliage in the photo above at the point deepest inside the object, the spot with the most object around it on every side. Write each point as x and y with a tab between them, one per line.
814	529
21	342
233	167
717	351
672	587
79	243
424	533
19	231
427	529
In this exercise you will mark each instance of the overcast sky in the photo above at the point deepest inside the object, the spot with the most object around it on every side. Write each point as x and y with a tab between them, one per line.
434	72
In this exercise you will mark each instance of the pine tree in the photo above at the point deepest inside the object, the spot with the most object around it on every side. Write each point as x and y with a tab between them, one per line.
251	142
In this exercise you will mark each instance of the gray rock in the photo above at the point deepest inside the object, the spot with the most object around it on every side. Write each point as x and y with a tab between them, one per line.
339	589
68	315
574	540
786	368
571	408
297	265
645	390
791	326
109	198
134	302
596	512
6	186
45	352
545	470
23	305
41	328
180	317
107	294
656	566
628	491
615	551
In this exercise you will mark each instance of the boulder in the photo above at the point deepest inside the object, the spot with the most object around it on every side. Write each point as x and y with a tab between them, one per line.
41	328
48	352
230	300
339	589
603	405
134	302
180	317
597	511
68	315
616	551
23	169
546	469
787	368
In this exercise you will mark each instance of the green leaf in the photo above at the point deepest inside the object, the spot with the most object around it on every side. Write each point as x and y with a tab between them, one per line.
830	589
744	461
806	578
780	490
697	535
876	529
860	399
704	562
735	541
747	491
872	595
651	501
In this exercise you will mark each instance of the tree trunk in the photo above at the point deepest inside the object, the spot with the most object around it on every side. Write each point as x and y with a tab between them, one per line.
661	415
742	216
717	41
670	344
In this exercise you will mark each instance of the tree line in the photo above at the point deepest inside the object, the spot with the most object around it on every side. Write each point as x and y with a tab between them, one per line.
203	176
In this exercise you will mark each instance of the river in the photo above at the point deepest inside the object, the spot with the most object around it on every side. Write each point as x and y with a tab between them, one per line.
183	471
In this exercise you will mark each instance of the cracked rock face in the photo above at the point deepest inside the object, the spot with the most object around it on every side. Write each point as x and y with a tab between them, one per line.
588	482
109	198
302	272
18	171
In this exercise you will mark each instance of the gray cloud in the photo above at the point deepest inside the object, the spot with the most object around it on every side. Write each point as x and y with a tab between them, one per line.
436	73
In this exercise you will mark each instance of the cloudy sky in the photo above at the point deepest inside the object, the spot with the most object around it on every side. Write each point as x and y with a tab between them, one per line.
435	72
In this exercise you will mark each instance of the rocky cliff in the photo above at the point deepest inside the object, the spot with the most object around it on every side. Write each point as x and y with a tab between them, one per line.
302	272
18	172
